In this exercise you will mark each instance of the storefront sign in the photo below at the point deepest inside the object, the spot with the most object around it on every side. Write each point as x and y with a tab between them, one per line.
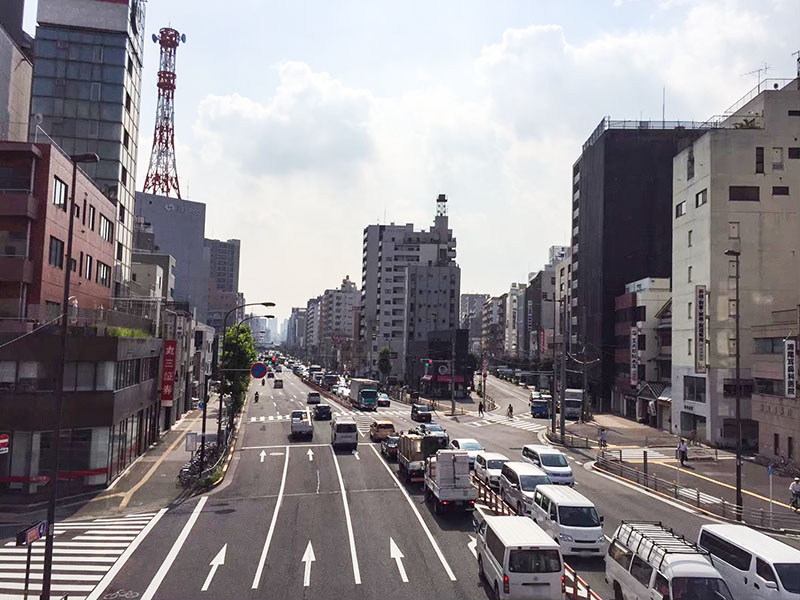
634	356
543	340
700	329
530	315
789	367
168	372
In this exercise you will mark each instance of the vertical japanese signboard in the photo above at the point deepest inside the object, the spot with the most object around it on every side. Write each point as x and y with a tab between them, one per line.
634	356
543	340
789	367
700	329
168	373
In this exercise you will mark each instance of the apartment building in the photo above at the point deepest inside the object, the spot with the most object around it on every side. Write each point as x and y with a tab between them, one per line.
16	73
735	192
514	300
470	307
336	323
388	252
539	312
642	375
493	317
296	330
313	318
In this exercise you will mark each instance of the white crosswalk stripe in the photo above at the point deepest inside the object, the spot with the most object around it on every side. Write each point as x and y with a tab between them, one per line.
263	420
83	553
637	454
524	422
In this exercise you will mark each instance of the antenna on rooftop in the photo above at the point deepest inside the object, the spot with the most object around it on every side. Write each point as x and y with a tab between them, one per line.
757	72
797	54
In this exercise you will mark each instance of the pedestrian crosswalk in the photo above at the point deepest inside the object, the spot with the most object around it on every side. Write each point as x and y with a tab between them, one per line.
83	552
524	422
263	419
637	454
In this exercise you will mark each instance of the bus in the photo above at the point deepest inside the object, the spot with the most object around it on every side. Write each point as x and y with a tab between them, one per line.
572	403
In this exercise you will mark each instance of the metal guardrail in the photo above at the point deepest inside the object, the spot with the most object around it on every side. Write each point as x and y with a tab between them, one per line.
766	519
570	440
569	587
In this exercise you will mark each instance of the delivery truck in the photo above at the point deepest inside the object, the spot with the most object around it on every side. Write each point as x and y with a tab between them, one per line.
448	483
364	394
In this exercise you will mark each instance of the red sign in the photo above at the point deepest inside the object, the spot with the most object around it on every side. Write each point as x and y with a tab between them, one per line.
168	372
3	443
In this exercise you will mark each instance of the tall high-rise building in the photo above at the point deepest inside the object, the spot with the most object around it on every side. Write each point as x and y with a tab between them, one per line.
16	72
336	322
621	230
470	318
224	263
296	329
86	90
385	318
313	314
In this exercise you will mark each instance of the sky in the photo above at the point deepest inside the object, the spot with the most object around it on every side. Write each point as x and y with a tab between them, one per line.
300	123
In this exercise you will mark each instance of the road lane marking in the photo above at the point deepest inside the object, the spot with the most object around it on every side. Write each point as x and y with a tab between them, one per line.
173	552
215	564
436	548
263	455
263	558
397	555
353	556
473	546
308	558
310	455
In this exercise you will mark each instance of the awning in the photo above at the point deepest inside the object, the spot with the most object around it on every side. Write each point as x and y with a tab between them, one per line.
666	395
446	379
427	378
651	390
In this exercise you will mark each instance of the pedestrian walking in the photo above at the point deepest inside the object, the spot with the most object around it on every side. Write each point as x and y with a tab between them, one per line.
603	437
480	408
683	452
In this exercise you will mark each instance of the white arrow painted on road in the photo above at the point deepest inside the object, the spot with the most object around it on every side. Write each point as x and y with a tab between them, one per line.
394	552
355	453
308	558
215	563
310	454
473	545
262	455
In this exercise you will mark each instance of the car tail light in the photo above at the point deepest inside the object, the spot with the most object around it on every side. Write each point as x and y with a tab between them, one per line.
472	501
444	502
505	583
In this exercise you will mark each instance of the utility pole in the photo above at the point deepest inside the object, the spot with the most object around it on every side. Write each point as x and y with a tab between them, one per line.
453	376
563	419
585	395
739	502
553	392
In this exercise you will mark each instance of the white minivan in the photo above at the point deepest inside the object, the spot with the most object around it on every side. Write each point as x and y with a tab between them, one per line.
518	560
344	432
518	482
647	561
487	467
550	460
571	519
755	566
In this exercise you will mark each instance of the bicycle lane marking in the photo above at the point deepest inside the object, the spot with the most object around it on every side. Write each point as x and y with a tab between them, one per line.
173	552
109	576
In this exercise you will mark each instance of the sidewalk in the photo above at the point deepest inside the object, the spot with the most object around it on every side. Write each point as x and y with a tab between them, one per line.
622	432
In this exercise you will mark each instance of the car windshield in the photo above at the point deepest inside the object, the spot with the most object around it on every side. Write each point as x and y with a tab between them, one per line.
423	409
789	574
470	446
385	426
496	464
391	442
554	460
578	516
699	588
346	428
434	428
529	482
534	561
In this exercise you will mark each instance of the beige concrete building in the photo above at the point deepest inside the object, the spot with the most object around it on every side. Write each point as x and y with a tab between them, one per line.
735	188
16	73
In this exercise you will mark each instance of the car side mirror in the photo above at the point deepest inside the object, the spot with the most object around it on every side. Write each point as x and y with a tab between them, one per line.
771	585
602	518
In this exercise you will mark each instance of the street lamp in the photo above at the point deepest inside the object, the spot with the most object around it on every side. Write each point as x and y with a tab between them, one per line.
90	157
224	331
736	254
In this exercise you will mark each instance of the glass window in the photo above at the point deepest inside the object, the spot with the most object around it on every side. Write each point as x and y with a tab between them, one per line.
620	554
780	190
59	194
85	380
534	561
700	588
69	376
8	373
661	585
495	547
700	198
56	255
106	229
725	551
694	389
641	571
744	193
794	153
92	213
105	376
789	574
764	571
759	159
680	209
578	516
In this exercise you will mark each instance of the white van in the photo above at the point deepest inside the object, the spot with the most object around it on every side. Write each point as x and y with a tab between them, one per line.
571	519
550	460
344	431
487	467
754	565
518	481
518	560
647	561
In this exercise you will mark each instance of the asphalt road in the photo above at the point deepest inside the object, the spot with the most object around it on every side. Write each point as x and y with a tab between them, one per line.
296	519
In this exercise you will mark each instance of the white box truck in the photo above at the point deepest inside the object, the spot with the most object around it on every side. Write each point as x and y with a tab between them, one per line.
364	394
448	483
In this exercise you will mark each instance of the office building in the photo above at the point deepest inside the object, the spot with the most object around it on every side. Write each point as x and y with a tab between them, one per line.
385	318
621	229
166	263
493	318
470	318
86	90
177	227
536	343
336	324
224	263
296	330
735	191
313	316
16	72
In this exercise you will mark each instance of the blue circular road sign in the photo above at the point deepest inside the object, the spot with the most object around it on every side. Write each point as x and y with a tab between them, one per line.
258	370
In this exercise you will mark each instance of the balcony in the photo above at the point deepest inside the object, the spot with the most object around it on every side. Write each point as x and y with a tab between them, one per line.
18	203
16	269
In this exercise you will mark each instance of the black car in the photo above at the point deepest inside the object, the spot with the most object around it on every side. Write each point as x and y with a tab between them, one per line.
322	412
278	384
421	413
383	399
389	447
270	374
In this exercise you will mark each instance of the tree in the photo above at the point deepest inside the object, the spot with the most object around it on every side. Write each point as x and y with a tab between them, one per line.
238	355
384	362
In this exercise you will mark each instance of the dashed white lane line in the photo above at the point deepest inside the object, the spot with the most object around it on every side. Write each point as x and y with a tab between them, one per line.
353	554
263	558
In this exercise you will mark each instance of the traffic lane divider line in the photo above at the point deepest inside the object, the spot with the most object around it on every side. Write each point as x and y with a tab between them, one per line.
722	484
263	558
173	552
353	554
117	566
425	528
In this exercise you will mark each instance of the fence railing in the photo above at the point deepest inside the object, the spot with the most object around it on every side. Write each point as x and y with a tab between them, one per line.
570	440
771	519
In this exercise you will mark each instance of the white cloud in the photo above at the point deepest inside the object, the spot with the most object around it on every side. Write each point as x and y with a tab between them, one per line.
299	174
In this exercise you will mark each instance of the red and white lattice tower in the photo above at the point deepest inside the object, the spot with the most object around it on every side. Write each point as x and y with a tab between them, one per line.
162	175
